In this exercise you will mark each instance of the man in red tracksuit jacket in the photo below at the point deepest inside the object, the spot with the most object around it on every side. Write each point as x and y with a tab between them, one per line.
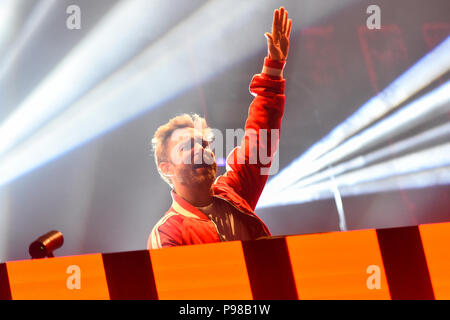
206	209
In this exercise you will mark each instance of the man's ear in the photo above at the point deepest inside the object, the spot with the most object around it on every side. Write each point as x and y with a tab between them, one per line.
166	168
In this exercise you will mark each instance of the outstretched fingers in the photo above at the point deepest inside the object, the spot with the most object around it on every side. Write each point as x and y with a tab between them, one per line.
284	22
276	19
280	22
282	13
289	28
278	40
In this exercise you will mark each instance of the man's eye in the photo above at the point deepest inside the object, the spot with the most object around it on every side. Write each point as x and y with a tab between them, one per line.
185	146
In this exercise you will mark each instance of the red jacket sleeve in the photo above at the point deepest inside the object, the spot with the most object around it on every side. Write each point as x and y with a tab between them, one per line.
248	164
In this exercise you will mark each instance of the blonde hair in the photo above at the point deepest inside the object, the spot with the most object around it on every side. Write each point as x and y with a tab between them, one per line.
164	132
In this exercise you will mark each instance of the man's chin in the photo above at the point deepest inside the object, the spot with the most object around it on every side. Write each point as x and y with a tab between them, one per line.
202	181
200	175
205	174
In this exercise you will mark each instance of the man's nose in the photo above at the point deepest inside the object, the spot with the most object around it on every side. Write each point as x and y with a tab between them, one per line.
198	147
197	154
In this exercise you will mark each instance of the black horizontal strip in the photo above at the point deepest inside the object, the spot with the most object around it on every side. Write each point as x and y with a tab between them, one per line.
130	276
405	263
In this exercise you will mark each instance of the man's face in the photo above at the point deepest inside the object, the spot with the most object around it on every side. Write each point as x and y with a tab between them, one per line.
192	161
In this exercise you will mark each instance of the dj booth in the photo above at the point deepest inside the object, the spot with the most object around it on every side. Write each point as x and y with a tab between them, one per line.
397	263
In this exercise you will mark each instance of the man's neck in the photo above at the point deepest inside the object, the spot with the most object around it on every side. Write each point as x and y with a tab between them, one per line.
197	196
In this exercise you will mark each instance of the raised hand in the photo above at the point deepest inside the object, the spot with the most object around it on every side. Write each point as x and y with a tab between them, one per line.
278	41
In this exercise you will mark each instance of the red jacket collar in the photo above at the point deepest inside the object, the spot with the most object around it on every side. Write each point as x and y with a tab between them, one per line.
184	208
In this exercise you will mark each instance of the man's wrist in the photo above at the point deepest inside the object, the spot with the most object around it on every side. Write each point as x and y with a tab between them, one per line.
273	68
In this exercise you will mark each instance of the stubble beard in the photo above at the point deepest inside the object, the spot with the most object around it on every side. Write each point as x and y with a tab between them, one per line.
193	177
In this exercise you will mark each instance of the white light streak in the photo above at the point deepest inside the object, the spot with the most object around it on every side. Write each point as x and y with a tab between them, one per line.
8	17
339	204
211	35
420	75
428	136
159	73
37	16
119	36
412	164
420	110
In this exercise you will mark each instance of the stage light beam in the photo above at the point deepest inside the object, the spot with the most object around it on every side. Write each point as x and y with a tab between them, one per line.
421	74
418	164
107	47
440	132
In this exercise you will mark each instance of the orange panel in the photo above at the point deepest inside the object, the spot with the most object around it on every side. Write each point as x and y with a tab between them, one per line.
208	272
436	242
66	278
335	265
